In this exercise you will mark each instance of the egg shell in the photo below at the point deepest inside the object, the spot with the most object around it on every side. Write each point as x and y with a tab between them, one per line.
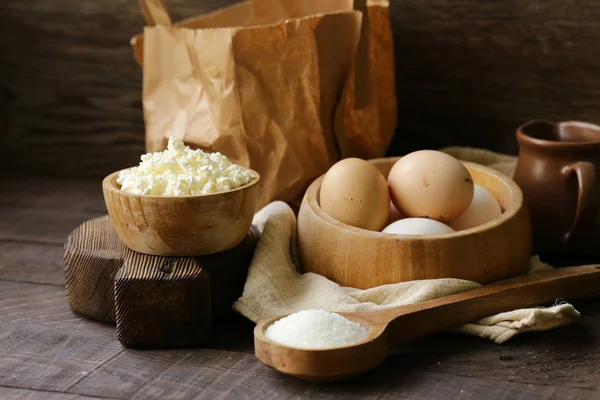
418	226
395	215
484	207
354	192
431	184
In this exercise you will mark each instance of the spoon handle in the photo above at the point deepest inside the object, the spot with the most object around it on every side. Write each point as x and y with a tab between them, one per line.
406	323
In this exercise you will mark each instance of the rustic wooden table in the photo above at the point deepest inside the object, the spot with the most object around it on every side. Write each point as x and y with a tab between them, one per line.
46	352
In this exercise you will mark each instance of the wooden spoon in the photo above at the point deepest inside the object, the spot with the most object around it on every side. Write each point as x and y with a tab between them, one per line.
392	327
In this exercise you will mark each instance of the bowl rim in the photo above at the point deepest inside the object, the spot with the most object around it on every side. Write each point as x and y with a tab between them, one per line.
513	208
110	183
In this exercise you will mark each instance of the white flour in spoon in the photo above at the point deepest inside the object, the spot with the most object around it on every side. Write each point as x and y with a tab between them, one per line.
316	329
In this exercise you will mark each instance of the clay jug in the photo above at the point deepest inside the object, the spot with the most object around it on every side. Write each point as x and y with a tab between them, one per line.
558	171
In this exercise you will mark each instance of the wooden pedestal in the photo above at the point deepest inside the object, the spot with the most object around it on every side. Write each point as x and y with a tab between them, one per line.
156	302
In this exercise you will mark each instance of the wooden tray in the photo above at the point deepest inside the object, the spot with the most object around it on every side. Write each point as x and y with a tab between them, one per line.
155	301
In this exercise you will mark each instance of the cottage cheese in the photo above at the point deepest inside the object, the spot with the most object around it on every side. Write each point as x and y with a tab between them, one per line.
180	171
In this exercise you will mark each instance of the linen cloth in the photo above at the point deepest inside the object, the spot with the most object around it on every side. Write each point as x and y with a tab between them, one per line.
275	286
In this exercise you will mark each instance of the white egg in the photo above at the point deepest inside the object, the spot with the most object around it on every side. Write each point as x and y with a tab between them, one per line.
418	226
484	207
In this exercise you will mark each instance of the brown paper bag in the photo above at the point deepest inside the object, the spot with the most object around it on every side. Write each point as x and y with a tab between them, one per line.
284	87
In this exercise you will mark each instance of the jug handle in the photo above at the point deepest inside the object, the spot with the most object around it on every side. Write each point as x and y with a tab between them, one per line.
586	176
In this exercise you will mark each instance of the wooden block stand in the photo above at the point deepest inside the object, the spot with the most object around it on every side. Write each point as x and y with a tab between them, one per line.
156	302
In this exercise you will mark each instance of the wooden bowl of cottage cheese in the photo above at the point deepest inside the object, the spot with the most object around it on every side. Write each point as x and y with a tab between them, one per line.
181	202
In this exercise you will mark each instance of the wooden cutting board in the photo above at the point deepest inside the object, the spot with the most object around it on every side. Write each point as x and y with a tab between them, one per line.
156	302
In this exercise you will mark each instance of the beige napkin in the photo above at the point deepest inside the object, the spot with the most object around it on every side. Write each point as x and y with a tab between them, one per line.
275	287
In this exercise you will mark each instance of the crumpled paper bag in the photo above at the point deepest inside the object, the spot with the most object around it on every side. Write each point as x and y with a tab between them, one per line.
275	287
285	87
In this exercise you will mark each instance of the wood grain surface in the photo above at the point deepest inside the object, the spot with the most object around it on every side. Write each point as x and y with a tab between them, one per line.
155	301
467	72
92	258
166	305
49	353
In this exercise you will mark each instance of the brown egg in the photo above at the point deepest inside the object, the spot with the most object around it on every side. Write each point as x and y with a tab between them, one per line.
430	184
356	193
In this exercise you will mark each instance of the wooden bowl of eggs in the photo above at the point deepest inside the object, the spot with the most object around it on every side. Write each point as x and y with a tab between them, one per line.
422	216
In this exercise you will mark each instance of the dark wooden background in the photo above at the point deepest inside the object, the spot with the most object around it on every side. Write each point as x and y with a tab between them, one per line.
468	73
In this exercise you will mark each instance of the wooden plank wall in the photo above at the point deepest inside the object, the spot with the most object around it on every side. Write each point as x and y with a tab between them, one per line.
468	72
